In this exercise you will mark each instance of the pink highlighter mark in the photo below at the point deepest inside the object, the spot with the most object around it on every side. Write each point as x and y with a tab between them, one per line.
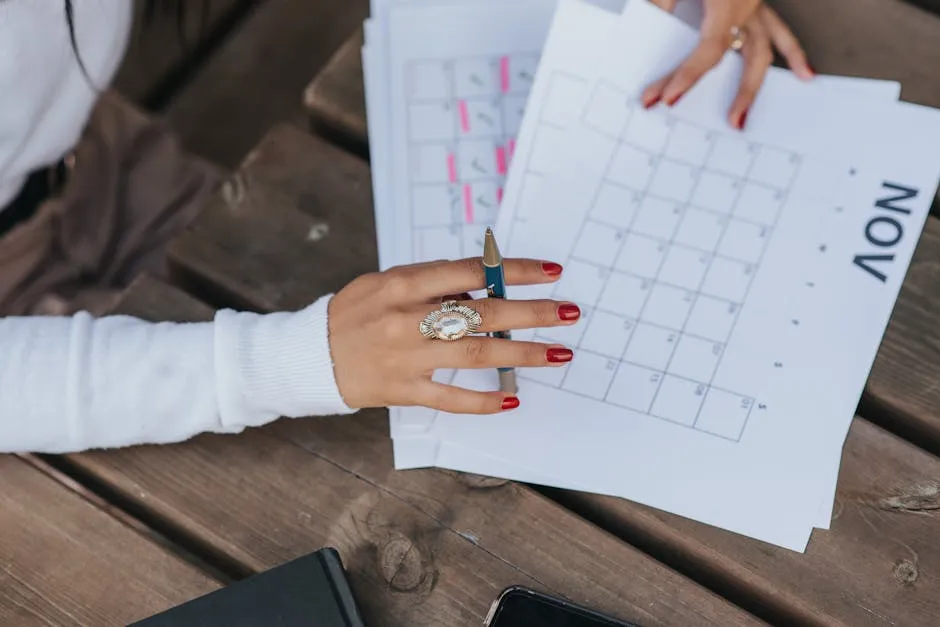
464	116
504	74
499	194
501	159
468	203
452	168
512	148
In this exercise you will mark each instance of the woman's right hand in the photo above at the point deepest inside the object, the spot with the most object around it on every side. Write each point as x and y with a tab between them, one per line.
381	358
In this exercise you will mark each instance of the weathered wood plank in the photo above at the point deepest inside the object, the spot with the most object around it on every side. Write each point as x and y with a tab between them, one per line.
429	548
846	589
161	50
335	99
903	390
257	76
884	39
65	562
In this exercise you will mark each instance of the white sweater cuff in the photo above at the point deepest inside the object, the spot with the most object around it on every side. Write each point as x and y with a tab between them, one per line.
272	365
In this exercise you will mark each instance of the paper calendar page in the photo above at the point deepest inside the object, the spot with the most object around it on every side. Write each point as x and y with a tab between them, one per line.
733	383
422	450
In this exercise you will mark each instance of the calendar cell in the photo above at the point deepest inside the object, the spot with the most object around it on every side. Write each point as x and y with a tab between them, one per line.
615	205
651	346
476	77
759	203
641	256
625	294
724	414
598	243
716	192
607	111
429	80
731	155
632	167
548	141
590	375
607	334
433	163
728	279
513	113
688	142
564	101
434	205
695	358
700	229
744	241
668	306
678	400
437	243
480	117
430	121
684	267
712	318
657	218
634	387
647	130
674	180
581	283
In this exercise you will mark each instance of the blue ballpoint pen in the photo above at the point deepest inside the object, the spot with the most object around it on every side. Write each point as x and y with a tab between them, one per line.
496	288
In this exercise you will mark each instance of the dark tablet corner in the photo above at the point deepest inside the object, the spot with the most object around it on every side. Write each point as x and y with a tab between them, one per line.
310	591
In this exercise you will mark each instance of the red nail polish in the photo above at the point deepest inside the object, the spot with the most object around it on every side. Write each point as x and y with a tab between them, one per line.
568	312
558	355
510	402
652	102
674	99
742	119
551	268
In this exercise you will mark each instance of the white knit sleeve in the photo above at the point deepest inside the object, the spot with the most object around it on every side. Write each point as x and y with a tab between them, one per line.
75	383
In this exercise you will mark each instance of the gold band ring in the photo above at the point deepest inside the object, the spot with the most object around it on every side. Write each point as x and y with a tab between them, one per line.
737	38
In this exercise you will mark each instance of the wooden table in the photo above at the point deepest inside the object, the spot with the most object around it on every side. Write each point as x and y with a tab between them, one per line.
107	537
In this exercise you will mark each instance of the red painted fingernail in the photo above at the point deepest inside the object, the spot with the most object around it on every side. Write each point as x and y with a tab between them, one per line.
568	312
510	402
742	119
675	99
558	355
652	102
551	268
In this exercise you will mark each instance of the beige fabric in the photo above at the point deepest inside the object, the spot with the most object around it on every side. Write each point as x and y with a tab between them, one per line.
131	188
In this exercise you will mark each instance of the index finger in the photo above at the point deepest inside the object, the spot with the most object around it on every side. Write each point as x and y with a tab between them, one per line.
465	275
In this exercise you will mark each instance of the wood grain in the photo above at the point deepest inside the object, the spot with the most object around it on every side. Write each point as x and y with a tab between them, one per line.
426	548
65	562
335	98
160	51
849	567
256	78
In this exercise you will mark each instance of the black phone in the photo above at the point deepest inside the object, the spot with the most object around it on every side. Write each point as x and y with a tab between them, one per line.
519	606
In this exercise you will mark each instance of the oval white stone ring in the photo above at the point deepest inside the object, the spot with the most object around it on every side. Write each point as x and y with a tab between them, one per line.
451	322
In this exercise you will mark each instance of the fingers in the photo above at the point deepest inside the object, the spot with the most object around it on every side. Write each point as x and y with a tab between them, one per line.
786	42
507	315
758	56
465	275
458	400
672	87
474	352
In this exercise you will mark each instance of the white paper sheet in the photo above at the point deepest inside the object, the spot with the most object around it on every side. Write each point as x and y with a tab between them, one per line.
420	451
643	457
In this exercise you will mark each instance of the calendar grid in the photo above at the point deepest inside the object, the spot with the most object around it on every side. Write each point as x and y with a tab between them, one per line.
674	235
463	116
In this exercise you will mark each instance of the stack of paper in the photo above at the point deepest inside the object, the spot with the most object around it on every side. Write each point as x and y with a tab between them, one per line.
734	285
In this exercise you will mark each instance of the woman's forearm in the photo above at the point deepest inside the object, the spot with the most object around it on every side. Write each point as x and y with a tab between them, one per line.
76	383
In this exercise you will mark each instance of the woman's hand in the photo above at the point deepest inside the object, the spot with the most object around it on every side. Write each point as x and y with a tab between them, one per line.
381	359
761	30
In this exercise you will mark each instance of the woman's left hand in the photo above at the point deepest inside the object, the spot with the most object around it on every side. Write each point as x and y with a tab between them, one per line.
761	30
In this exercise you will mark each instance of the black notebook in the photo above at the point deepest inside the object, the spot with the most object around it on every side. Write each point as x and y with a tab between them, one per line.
311	591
